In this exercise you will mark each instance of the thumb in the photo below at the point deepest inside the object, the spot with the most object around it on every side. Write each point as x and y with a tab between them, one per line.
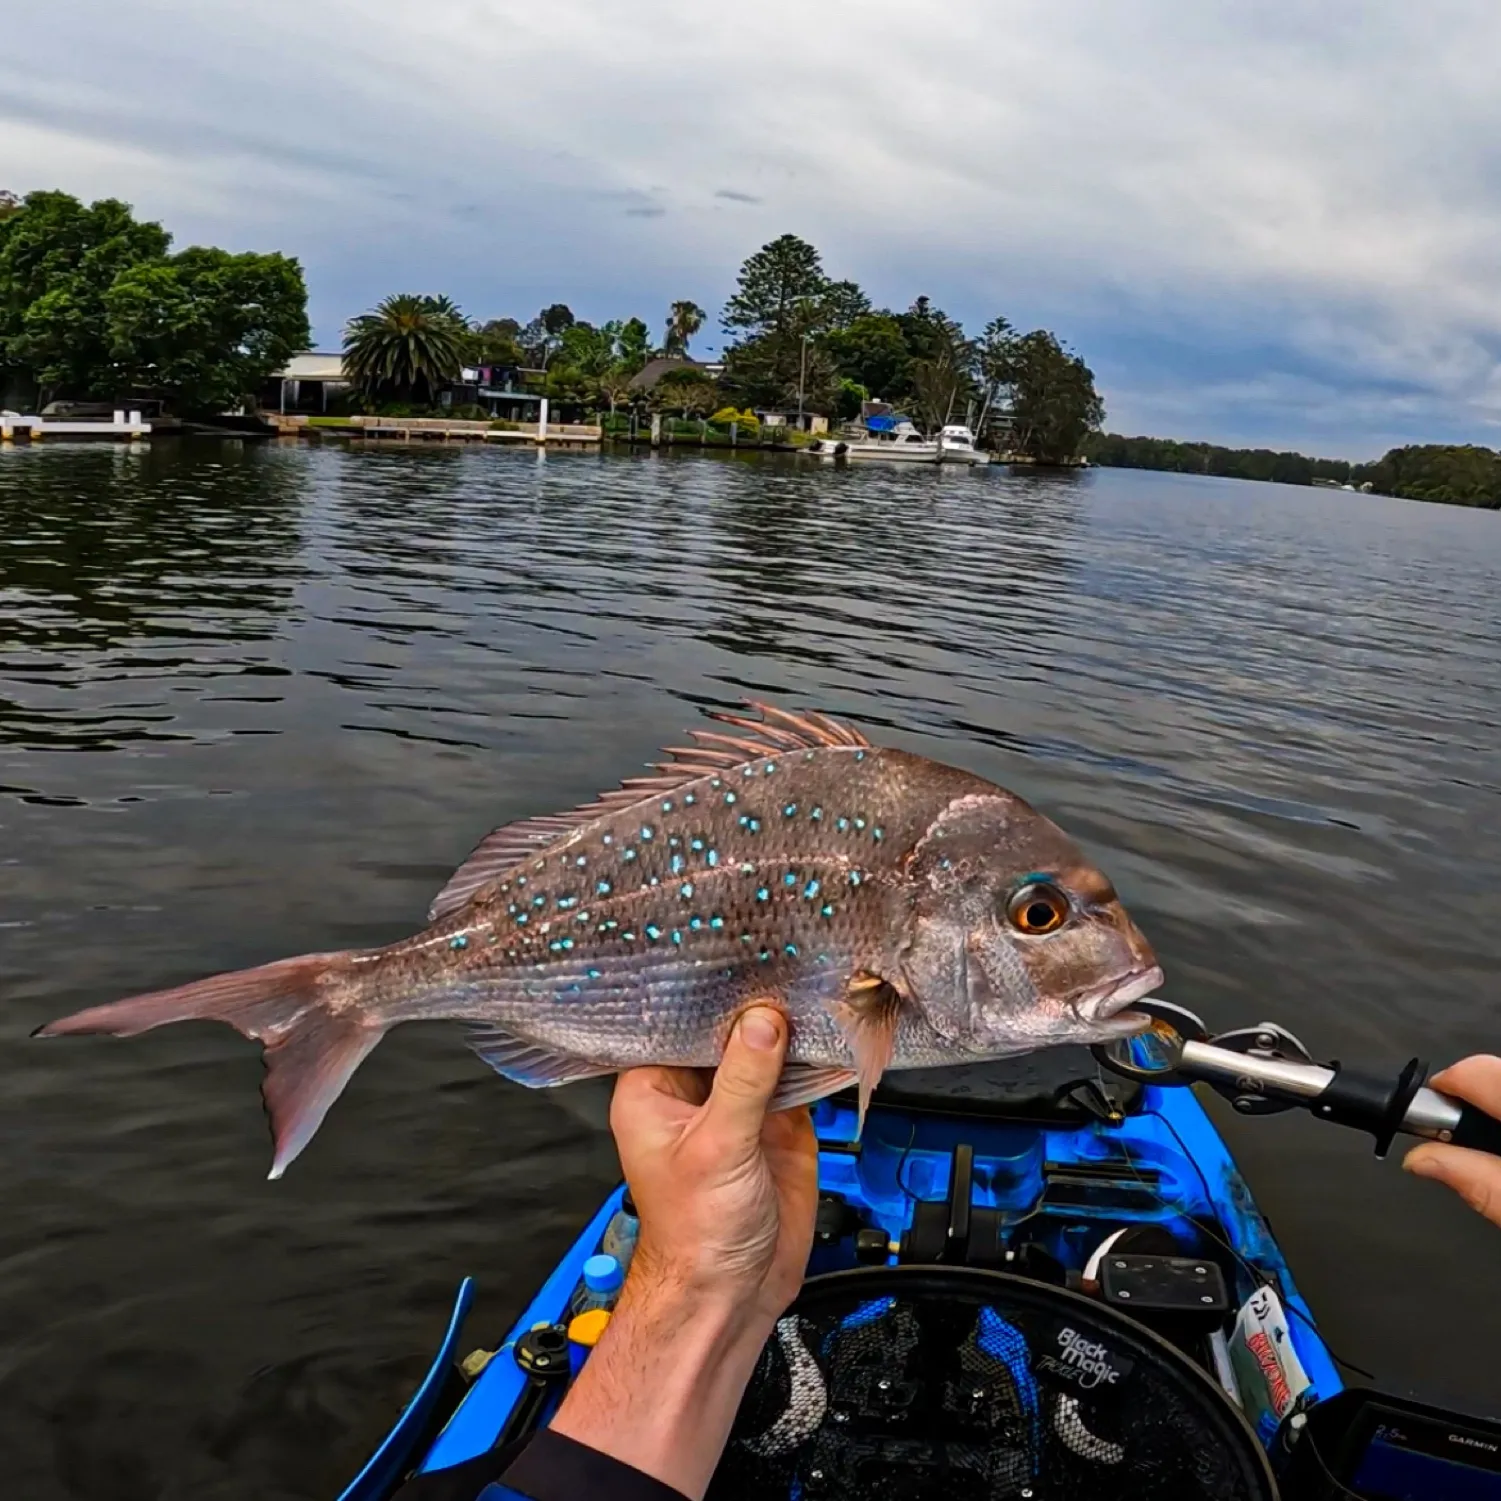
1474	1176
747	1075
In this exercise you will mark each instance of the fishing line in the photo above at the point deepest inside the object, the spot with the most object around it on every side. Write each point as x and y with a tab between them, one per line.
1257	1275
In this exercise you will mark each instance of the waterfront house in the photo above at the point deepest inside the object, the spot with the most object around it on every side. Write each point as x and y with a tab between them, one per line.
305	384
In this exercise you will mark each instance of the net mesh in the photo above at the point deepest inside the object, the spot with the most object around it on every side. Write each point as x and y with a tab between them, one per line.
913	1383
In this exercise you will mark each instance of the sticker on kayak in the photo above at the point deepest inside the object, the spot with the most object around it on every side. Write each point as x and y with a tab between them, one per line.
1082	1360
1267	1370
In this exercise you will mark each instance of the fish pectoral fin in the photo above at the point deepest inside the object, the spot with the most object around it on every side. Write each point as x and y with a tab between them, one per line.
530	1063
868	1016
803	1083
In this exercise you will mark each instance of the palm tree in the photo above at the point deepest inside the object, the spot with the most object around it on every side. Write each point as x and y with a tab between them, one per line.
408	346
685	320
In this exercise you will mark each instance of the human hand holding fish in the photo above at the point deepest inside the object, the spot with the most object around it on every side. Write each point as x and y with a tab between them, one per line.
727	1194
901	913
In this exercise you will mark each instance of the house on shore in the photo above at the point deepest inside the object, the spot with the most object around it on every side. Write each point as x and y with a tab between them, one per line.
305	384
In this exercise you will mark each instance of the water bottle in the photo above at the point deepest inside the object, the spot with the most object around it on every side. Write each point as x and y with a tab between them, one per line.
621	1234
601	1286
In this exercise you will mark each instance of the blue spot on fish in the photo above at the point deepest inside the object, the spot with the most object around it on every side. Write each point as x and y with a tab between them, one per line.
677	863
581	861
716	922
565	902
627	855
859	755
646	832
762	894
677	937
855	878
629	937
859	823
841	824
811	890
594	974
695	923
770	767
877	833
667	805
674	843
695	845
715	783
755	826
539	900
602	887
764	955
685	890
789	879
729	799
581	917
746	938
789	810
459	942
521	880
653	931
608	839
713	857
790	951
521	917
689	800
816	815
749	771
827	909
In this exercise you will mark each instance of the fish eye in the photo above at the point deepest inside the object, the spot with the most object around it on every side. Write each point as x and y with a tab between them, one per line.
1037	907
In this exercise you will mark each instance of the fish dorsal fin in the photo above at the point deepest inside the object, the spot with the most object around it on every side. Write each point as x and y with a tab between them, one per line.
775	733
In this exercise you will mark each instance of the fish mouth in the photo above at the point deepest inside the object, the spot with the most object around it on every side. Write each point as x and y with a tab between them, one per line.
1105	1008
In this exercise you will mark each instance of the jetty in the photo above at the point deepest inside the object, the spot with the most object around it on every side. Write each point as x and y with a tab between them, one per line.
437	430
124	426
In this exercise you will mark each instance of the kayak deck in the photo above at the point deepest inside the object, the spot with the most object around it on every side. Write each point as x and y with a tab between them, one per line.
1046	1181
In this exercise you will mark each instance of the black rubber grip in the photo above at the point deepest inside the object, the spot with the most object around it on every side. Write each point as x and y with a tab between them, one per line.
1478	1131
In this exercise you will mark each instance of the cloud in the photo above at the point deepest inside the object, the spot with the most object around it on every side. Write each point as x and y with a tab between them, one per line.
1272	223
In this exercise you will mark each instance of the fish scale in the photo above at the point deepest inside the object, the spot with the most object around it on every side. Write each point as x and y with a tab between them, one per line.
868	892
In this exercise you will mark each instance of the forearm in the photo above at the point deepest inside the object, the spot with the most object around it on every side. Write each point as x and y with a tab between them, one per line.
662	1387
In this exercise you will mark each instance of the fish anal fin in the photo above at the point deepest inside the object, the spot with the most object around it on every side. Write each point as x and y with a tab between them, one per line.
868	1016
777	732
803	1083
531	1063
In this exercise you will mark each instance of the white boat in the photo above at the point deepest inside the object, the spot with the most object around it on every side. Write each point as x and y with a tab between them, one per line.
956	445
901	444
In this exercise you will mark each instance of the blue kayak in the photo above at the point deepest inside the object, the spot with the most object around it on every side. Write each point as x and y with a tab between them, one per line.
1090	1237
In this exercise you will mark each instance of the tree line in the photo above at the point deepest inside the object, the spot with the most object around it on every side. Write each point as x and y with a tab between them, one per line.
804	342
1454	474
94	303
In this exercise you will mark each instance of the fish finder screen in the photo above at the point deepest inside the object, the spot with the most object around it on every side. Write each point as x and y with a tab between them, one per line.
1410	1462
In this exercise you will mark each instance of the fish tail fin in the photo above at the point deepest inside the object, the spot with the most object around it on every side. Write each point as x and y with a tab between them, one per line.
299	1009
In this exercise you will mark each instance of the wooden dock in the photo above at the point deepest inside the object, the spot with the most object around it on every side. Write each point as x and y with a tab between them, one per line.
125	426
437	430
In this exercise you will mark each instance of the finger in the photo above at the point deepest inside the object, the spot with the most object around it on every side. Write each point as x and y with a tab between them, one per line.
647	1098
747	1076
1476	1079
1474	1176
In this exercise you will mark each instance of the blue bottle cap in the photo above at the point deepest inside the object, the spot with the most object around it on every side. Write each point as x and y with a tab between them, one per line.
602	1274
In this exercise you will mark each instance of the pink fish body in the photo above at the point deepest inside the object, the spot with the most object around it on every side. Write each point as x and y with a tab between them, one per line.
903	913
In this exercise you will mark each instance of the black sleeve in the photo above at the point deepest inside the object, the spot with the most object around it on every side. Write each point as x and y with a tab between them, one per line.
548	1467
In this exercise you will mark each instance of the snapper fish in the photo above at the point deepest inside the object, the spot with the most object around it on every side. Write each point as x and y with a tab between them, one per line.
902	913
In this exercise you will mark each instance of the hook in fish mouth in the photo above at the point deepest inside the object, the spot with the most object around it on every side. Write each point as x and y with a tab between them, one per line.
1105	1007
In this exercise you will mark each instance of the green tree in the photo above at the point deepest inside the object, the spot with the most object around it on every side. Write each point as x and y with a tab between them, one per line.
9	204
205	328
58	260
683	321
497	343
407	347
635	344
1054	404
872	352
772	285
687	391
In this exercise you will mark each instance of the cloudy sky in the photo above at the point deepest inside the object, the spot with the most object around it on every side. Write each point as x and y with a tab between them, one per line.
1262	221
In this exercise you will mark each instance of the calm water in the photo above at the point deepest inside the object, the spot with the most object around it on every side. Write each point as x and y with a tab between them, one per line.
259	701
